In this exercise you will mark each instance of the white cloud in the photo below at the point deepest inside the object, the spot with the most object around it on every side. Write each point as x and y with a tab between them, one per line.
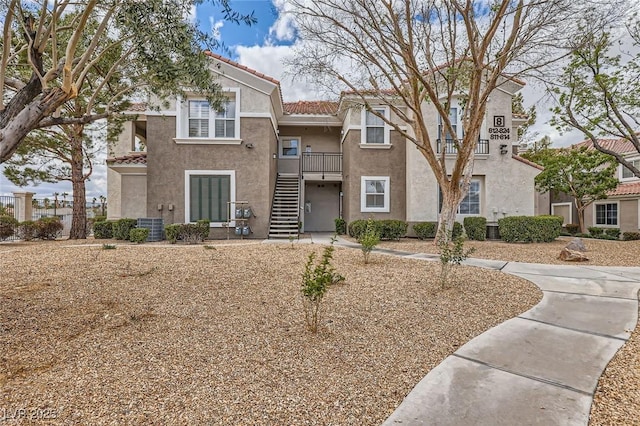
283	29
215	27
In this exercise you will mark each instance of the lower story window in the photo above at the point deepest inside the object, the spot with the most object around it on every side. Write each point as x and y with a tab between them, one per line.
208	196
470	205
374	196
607	214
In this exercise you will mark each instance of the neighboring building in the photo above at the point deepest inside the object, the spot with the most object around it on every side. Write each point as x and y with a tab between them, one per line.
302	163
621	209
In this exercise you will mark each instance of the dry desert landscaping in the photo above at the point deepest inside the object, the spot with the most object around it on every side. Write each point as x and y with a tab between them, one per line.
176	334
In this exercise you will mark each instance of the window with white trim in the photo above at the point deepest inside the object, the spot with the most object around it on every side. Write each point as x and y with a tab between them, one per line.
470	204
628	174
198	122
207	195
453	118
606	214
374	130
374	194
289	147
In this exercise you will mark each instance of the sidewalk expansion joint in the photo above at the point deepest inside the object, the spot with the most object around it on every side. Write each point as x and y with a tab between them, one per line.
577	330
526	376
635	299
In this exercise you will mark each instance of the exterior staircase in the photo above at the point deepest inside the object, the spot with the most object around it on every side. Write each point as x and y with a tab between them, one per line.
285	211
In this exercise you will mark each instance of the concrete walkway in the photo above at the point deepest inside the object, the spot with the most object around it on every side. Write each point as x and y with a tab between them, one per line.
540	368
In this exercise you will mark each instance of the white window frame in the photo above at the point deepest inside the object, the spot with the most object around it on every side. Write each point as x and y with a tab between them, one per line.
554	205
363	126
232	193
595	217
281	147
363	195
182	122
623	168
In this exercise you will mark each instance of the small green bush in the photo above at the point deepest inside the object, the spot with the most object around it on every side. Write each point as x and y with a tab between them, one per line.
203	228
103	230
8	226
108	247
341	226
99	218
572	228
425	230
530	229
476	227
138	235
122	227
595	231
369	239
357	228
452	253
48	228
27	230
581	235
391	229
172	232
193	233
631	236
607	237
613	232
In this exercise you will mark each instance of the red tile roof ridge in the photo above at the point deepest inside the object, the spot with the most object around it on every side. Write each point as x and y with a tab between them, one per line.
626	188
311	107
133	158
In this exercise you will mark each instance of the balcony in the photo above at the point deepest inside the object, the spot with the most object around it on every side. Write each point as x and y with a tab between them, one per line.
450	148
321	163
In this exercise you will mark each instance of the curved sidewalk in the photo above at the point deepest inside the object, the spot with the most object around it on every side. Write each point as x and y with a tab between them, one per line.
541	367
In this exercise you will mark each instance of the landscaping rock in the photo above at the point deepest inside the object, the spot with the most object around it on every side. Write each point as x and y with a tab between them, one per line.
568	255
577	245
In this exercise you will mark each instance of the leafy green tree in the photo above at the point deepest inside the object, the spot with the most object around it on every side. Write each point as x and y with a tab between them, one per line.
599	90
585	174
117	68
47	57
538	149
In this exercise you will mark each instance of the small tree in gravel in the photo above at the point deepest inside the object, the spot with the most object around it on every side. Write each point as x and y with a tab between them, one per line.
369	239
452	253
316	280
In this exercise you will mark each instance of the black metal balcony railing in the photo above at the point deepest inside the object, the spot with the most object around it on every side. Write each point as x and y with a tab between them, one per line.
450	148
321	162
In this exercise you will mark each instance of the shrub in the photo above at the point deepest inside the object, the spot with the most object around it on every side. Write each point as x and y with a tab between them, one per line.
99	218
357	228
172	232
572	228
476	227
530	229
631	236
108	247
425	230
613	232
369	239
452	253
7	226
122	227
316	280
203	228
595	231
48	228
341	226
27	230
103	230
138	235
391	229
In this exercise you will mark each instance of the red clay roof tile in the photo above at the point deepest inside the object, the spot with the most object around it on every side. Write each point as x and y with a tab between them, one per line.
136	158
311	107
630	188
621	146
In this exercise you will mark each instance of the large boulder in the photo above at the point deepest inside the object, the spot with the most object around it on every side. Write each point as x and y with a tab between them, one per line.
577	245
568	255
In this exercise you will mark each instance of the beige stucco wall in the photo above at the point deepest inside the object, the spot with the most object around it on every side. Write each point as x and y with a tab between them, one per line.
168	161
114	194
134	195
321	138
358	162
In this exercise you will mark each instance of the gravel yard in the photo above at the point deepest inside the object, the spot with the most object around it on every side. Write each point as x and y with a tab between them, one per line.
155	334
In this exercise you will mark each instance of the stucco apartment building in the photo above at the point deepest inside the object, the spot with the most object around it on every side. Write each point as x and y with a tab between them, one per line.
621	208
300	165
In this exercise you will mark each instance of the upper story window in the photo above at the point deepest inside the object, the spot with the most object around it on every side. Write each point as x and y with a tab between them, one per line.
628	174
374	130
453	118
289	147
197	122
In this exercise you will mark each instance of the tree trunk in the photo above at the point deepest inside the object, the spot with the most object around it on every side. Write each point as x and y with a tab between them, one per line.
79	217
580	207
450	201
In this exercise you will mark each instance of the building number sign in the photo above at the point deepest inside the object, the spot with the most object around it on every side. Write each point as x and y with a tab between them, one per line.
499	131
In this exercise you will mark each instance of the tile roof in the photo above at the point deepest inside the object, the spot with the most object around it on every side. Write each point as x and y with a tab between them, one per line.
630	188
136	158
242	67
620	145
311	107
527	162
138	106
